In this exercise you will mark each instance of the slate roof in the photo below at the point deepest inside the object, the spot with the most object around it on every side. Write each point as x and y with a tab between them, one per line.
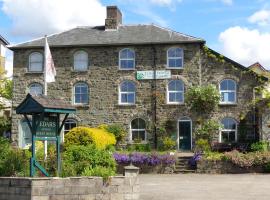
4	40
124	35
41	103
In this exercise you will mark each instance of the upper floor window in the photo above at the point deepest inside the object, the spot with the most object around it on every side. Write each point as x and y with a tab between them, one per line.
229	130
35	89
35	62
175	92
127	92
80	61
175	58
81	93
138	129
126	59
69	124
227	89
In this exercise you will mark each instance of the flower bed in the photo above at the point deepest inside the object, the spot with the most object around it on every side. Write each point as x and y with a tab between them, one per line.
234	162
147	162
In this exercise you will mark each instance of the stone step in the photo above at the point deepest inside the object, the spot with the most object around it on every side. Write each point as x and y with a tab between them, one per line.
184	171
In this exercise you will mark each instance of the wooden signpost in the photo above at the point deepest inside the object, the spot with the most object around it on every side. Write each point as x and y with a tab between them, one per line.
43	118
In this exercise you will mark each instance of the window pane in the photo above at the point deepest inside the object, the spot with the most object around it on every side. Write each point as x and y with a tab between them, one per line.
229	123
130	64
179	97
178	62
77	98
139	135
80	65
131	98
36	89
36	67
138	124
231	96
123	54
224	137
231	136
123	98
172	97
176	86
127	86
84	98
231	85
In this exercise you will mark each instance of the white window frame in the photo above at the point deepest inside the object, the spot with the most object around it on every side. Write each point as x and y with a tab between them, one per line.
168	93
74	94
30	62
74	59
132	59
35	85
168	58
228	91
120	94
69	120
228	130
131	130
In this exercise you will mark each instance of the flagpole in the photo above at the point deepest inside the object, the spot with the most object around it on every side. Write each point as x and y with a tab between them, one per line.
45	92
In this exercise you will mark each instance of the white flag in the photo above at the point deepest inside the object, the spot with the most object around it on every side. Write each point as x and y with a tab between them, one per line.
50	71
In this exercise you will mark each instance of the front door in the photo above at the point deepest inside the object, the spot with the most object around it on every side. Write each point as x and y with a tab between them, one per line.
184	135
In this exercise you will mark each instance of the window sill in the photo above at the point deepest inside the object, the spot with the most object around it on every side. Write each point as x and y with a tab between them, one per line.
175	104
29	72
228	104
174	67
81	105
133	69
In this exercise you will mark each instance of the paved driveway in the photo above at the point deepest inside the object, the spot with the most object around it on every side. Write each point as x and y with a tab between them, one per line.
205	187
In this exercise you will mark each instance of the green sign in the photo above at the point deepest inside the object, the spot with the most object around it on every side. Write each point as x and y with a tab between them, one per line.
160	74
47	127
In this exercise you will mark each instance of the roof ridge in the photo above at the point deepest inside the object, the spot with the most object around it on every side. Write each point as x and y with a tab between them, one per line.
169	29
39	38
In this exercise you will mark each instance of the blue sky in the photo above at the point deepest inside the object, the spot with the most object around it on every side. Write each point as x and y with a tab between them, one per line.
240	29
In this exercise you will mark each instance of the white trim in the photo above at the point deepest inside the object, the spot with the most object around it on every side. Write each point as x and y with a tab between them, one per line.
229	130
87	60
133	59
130	130
29	62
73	93
120	93
227	91
183	119
168	96
167	66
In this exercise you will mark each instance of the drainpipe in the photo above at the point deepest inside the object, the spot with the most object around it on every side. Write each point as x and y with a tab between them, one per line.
154	92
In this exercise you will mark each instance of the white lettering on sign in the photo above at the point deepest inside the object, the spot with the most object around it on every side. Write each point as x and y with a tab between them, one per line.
160	74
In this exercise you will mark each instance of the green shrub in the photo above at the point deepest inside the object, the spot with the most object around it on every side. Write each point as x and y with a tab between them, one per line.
212	156
202	99
167	144
139	147
5	150
98	171
81	157
260	146
202	145
118	131
85	136
207	130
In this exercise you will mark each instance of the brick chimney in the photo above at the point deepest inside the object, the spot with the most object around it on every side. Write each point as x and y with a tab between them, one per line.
114	17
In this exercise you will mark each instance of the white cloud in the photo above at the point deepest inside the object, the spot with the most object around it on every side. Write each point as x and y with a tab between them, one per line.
227	2
246	46
39	17
262	18
9	63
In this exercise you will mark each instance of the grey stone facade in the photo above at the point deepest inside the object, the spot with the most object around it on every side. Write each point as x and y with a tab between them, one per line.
103	78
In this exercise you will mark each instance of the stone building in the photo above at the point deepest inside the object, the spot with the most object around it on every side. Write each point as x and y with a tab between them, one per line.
3	43
107	72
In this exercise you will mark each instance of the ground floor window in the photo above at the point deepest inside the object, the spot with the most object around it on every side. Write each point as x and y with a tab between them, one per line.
229	130
138	131
25	136
69	124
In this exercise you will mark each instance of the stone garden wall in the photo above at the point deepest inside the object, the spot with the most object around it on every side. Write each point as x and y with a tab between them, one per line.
75	188
224	167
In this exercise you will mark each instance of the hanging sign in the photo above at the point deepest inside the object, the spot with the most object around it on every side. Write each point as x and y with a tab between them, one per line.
47	127
160	74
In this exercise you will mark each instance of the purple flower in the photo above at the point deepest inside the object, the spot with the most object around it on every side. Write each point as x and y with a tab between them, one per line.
122	159
167	159
138	158
154	159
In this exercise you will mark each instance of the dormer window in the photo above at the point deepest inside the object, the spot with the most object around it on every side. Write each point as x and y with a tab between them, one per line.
35	62
175	58
126	59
